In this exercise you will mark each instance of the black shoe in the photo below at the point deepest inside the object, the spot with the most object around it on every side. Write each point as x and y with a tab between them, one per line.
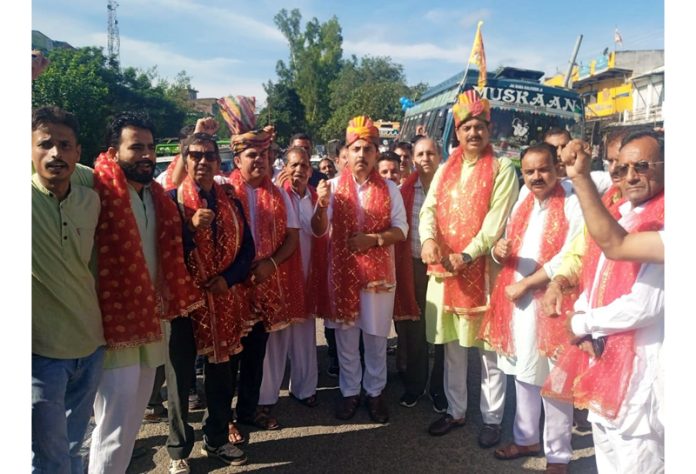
347	407
439	402
227	453
444	425
489	435
409	401
332	371
377	409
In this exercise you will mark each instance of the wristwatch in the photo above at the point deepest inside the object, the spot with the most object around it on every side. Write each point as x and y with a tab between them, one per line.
467	258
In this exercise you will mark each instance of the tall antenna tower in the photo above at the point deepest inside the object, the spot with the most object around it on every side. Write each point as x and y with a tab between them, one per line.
113	42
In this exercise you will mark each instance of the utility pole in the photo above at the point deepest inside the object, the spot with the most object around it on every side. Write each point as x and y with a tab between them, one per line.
113	40
566	81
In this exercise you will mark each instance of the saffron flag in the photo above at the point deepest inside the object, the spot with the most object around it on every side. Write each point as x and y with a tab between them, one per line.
478	56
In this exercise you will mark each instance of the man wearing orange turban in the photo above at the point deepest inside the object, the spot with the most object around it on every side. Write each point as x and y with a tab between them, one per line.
462	217
365	216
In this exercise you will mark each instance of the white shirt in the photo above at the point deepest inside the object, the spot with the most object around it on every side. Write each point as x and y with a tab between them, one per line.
529	365
305	210
293	221
641	309
376	309
418	200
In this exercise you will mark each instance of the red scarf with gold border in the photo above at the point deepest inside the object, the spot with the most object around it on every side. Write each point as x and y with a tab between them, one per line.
602	386
496	328
316	283
274	298
405	305
461	210
131	304
222	322
369	270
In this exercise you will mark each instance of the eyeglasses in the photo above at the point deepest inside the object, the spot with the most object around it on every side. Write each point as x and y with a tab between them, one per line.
641	167
198	155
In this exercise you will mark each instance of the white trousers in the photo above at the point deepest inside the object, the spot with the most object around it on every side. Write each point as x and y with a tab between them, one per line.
616	453
493	383
119	407
350	373
298	342
558	423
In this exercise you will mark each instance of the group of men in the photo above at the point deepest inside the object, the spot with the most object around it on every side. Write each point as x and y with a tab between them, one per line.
128	275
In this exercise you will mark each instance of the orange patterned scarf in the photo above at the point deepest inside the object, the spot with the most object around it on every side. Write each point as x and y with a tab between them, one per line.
496	328
405	305
131	303
370	270
602	386
222	322
316	297
461	209
274	298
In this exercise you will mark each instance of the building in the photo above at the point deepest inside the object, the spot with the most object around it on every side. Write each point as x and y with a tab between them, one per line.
618	88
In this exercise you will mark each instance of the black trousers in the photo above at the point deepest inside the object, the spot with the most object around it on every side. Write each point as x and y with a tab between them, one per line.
412	333
250	364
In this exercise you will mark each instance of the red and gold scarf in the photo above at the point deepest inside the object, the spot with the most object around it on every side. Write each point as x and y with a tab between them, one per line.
462	207
131	304
223	321
274	298
370	270
602	386
316	283
405	305
496	328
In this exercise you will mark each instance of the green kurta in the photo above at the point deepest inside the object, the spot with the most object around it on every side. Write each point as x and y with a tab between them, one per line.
442	326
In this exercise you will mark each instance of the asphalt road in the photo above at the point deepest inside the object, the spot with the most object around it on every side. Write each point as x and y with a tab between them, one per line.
312	440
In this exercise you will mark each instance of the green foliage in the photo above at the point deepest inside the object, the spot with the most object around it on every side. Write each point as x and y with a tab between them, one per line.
284	110
330	90
315	61
83	82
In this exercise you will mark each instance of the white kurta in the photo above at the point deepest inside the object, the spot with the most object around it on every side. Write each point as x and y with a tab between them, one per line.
529	365
376	309
641	309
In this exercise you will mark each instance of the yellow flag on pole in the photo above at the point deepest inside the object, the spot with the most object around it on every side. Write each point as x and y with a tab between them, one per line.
478	56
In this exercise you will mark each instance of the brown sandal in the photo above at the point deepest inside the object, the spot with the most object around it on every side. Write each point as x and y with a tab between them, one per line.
235	436
514	451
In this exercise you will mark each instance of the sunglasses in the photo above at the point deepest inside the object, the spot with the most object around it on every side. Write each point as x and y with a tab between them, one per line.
641	167
198	155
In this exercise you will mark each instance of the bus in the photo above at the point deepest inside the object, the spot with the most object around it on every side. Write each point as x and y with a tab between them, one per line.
522	109
388	133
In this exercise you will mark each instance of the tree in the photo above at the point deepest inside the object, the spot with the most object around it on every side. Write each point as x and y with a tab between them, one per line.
284	110
315	61
83	82
78	81
371	86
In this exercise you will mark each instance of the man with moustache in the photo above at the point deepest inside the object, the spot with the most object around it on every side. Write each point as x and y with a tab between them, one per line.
624	303
141	280
219	250
388	167
67	345
303	140
328	167
462	217
365	217
274	226
297	342
542	225
404	151
411	284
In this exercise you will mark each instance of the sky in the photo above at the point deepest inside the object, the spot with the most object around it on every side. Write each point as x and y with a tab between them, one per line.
232	47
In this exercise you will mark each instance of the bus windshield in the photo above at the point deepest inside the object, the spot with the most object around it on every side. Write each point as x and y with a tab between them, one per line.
522	109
